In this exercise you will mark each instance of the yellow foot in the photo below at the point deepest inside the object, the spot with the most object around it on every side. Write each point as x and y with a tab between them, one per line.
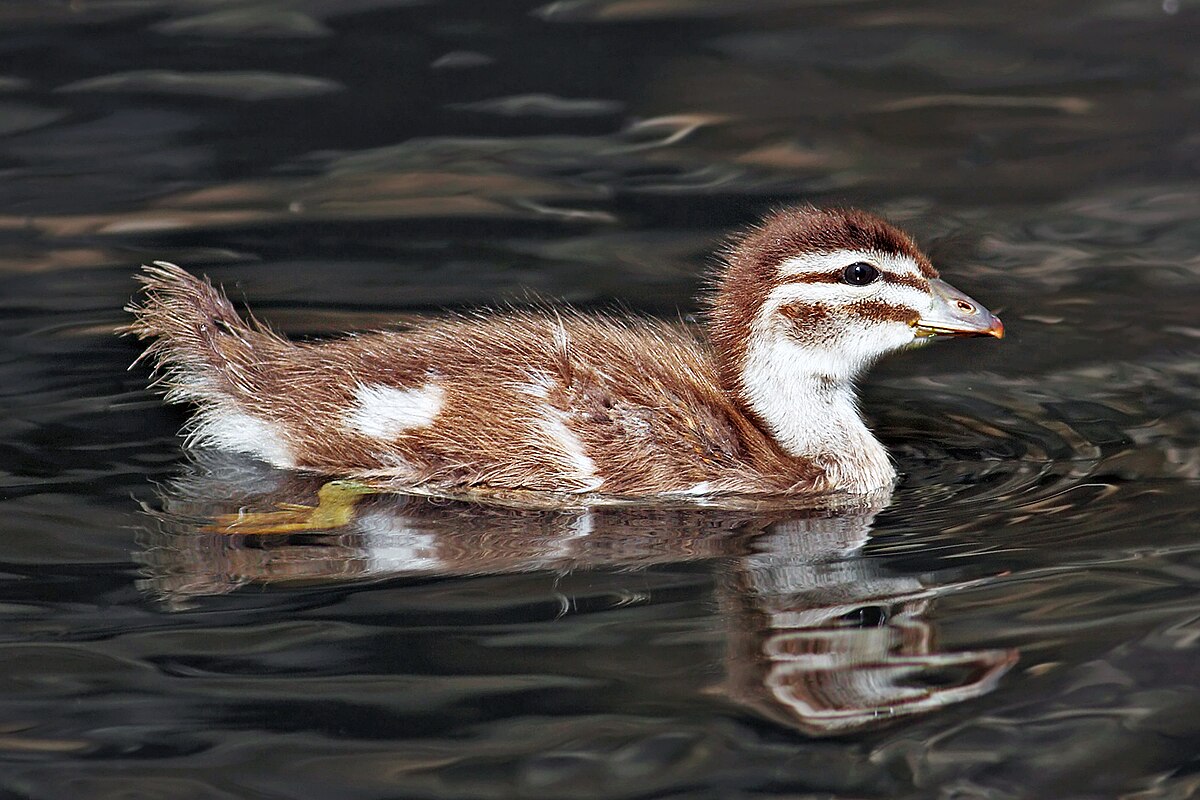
334	509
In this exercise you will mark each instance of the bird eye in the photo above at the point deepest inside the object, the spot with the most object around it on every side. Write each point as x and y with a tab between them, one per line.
860	274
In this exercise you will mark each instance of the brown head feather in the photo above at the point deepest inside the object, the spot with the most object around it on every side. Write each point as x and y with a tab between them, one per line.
752	261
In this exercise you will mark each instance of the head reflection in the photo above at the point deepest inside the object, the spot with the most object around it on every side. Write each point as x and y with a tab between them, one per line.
817	637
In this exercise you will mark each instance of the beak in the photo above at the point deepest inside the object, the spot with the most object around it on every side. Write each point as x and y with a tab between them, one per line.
955	314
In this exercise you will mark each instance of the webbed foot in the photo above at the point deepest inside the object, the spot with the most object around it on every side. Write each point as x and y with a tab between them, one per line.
334	509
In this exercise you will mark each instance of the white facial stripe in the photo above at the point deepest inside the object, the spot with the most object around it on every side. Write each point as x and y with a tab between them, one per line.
383	412
817	263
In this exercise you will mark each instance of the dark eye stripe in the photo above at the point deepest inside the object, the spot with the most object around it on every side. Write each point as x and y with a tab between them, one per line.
885	312
811	314
806	313
920	284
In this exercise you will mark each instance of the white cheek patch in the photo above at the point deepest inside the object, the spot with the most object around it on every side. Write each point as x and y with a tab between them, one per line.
777	359
384	412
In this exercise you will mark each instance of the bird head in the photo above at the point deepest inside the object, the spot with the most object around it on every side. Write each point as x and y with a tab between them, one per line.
827	292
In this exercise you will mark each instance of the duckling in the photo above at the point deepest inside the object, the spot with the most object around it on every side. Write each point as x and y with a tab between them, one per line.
559	401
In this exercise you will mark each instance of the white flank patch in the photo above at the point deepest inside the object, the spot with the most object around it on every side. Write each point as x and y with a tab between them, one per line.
383	412
570	445
227	429
540	384
699	489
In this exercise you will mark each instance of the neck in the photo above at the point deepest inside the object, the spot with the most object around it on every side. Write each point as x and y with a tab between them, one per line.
812	413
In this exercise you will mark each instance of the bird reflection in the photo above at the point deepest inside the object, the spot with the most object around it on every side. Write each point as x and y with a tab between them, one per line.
818	638
835	646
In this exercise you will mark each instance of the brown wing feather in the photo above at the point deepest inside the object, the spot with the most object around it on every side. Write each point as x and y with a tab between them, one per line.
641	398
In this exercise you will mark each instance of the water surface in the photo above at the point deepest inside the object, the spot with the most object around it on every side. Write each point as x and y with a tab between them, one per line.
1020	621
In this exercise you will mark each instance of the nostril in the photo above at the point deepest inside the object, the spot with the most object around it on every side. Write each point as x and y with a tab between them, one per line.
965	307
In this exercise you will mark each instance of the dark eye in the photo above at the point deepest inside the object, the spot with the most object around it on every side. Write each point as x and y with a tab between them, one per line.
860	274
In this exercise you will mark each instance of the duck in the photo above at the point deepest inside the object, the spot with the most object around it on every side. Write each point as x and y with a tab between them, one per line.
759	400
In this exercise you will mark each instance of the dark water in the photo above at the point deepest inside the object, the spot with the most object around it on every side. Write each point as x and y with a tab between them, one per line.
1022	620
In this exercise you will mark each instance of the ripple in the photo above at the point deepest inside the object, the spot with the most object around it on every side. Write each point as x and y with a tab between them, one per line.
1047	512
233	85
247	23
542	105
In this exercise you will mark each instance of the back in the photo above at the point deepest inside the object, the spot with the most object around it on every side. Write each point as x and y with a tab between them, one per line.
535	400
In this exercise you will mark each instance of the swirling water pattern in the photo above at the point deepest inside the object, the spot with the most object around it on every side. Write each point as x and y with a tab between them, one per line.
1019	621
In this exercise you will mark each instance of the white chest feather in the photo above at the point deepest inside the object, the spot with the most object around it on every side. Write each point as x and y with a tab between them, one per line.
810	410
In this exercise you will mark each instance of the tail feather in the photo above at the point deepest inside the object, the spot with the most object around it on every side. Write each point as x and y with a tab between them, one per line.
202	351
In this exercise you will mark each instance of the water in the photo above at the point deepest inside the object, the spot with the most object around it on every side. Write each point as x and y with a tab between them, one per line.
1022	620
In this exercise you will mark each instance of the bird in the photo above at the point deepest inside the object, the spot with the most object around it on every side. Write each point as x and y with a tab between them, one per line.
758	401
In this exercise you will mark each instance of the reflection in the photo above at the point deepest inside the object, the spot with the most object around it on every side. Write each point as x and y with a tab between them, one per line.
516	177
817	637
838	646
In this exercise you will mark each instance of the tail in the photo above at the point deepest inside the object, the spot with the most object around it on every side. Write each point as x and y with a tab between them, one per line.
202	351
